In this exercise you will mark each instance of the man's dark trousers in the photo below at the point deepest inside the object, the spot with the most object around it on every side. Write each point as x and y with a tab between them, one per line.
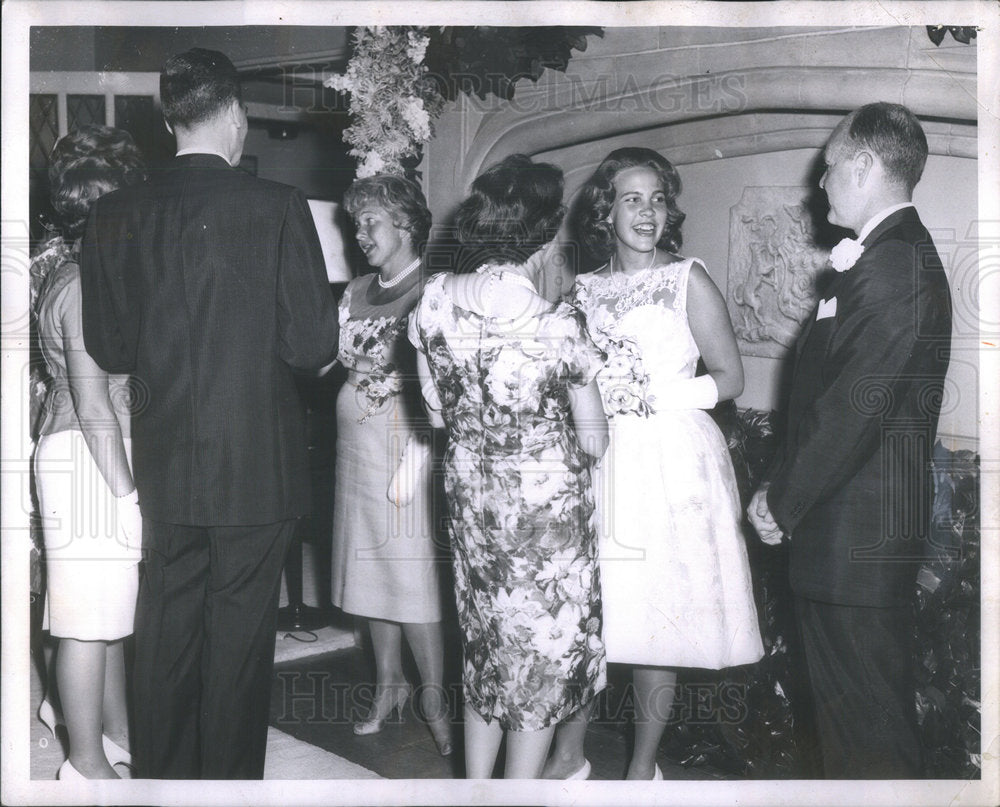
205	634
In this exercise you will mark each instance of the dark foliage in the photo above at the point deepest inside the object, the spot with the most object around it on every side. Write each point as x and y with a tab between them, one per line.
485	60
948	669
961	33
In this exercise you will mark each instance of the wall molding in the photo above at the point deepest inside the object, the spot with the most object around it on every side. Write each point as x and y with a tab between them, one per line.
931	94
699	141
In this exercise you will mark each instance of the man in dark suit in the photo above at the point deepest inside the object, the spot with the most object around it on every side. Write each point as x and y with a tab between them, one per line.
208	286
850	488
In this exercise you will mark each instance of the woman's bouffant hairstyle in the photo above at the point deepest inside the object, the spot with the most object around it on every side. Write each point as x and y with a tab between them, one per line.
515	208
86	164
196	85
400	197
598	196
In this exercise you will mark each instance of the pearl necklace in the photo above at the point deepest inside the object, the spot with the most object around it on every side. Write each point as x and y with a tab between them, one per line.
409	270
611	264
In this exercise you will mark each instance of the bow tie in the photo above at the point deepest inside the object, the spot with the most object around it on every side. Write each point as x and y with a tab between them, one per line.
846	254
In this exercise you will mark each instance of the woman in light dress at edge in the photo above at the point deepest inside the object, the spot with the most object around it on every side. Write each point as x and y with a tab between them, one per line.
86	496
385	562
511	377
674	567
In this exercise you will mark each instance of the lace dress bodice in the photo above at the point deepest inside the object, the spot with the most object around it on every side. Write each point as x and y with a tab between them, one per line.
640	321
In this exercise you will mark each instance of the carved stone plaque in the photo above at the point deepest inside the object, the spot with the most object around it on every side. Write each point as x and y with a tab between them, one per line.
773	266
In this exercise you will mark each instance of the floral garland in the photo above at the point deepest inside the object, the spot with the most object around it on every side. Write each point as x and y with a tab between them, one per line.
393	102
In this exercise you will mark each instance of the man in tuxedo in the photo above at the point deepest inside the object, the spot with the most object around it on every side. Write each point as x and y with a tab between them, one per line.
208	286
850	488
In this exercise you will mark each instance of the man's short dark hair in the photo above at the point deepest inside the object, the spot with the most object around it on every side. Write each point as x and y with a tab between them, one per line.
893	133
196	85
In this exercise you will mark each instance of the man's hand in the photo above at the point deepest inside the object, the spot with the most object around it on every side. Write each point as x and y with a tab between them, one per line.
760	516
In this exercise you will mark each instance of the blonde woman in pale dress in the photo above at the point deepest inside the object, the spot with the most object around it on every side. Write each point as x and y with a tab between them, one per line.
87	499
385	561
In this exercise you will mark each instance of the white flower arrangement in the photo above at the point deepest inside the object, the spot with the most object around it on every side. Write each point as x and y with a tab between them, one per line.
392	101
417	47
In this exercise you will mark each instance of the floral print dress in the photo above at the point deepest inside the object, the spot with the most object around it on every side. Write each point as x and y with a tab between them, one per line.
520	506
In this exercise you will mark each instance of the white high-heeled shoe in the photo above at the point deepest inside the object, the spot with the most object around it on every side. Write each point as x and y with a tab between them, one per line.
373	725
657	774
583	772
115	754
49	717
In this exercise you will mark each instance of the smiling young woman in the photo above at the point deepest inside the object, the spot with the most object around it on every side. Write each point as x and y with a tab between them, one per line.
674	571
638	217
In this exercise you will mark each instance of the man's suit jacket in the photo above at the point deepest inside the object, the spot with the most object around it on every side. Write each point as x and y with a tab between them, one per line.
851	483
208	286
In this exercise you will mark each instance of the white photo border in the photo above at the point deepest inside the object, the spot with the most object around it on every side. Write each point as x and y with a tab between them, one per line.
20	15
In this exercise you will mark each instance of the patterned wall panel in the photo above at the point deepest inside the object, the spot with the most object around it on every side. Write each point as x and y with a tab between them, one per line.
774	265
43	127
85	110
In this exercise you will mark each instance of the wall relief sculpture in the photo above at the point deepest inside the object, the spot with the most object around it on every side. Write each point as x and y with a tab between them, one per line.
773	267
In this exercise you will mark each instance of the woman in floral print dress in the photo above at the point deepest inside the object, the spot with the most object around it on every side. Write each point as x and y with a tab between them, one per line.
511	377
385	564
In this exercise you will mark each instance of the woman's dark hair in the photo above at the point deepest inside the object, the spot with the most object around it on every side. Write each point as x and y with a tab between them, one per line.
515	207
400	197
598	196
197	84
86	164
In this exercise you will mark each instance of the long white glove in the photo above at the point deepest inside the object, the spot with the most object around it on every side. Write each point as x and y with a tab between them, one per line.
404	481
130	519
689	393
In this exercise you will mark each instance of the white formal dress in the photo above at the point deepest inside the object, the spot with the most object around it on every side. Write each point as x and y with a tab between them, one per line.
676	579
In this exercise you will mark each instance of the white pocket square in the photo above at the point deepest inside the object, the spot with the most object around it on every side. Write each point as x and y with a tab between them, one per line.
827	308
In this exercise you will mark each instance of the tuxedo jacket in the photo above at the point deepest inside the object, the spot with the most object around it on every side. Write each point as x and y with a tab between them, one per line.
208	286
851	483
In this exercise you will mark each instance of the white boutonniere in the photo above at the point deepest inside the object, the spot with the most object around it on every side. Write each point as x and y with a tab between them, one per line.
846	254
